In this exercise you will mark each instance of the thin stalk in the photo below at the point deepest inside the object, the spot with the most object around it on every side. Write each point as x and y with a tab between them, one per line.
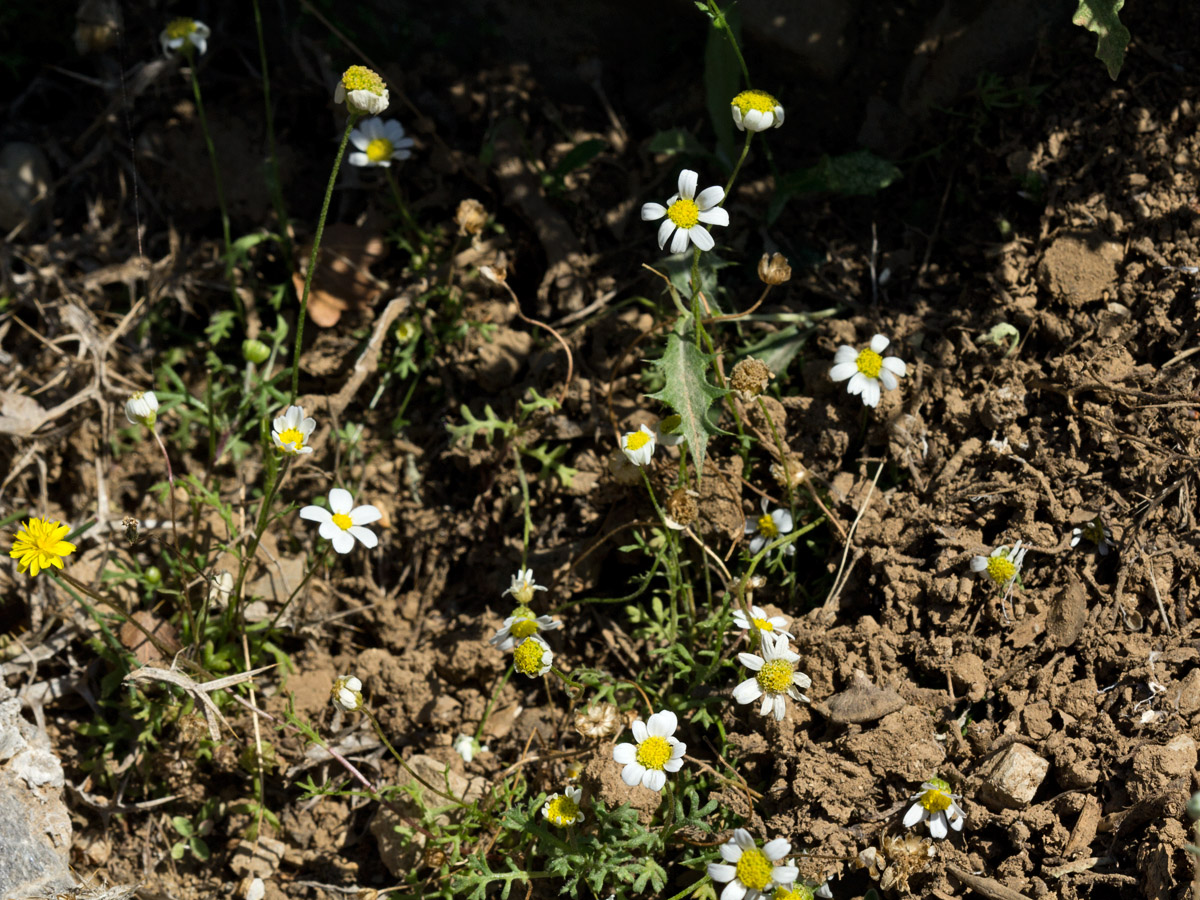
737	167
312	260
525	509
401	206
723	23
187	611
492	702
317	563
403	763
273	155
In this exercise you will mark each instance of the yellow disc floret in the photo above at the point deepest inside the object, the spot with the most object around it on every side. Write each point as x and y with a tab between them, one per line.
562	811
775	677
754	869
39	545
869	363
763	624
1001	570
684	212
360	78
797	892
379	150
523	628
937	799
636	440
180	28
654	752
528	657
342	521
767	527
760	100
293	438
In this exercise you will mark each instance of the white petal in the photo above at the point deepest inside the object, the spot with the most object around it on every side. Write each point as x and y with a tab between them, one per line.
633	773
340	501
743	839
879	343
652	212
718	216
780	707
679	242
316	514
359	159
784	874
342	542
978	563
748	691
757	544
783	520
393	131
937	825
801	680
701	238
710	197
624	753
365	535
721	872
895	365
730	851
678	748
778	116
640	733
663	724
740	620
914	815
842	371
857	383
888	379
360	140
750	661
687	183
845	354
673	765
755	120
365	515
735	890
329	531
870	392
664	232
654	779
768	705
776	850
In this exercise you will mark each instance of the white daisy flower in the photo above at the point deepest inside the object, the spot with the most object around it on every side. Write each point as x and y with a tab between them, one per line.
655	753
186	35
468	747
291	431
756	111
347	693
667	432
1003	566
867	368
776	676
379	141
520	625
760	620
638	446
751	873
686	214
533	656
563	809
1096	532
935	805
142	408
522	587
363	92
768	527
343	521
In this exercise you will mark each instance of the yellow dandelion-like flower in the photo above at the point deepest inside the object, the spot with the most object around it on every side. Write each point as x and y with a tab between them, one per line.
39	545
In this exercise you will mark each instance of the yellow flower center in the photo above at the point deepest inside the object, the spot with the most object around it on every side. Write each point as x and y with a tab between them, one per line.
180	28
754	869
379	150
528	657
293	437
767	527
523	628
869	363
936	800
360	78
775	677
39	545
684	213
562	811
654	752
406	330
798	892
1001	570
636	440
342	521
763	625
760	100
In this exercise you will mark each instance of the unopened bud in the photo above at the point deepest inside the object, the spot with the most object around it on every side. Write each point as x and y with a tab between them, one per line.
774	270
255	351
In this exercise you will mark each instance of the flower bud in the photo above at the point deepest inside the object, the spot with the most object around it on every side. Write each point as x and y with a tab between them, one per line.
774	269
471	217
142	408
347	693
255	351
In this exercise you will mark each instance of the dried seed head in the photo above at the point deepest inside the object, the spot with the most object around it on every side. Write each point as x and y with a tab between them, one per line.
793	476
774	270
131	529
750	377
682	507
471	217
598	721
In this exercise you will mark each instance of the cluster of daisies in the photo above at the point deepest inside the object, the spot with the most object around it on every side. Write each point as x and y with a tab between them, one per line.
520	632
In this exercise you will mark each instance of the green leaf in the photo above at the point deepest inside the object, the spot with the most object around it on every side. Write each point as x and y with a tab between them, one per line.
177	850
220	326
722	80
689	394
1100	17
199	848
857	174
579	156
182	825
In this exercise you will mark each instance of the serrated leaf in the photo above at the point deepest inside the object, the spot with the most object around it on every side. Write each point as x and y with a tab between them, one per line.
689	394
1100	18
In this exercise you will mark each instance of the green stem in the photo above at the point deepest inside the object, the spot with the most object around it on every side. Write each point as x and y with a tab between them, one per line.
212	155
273	160
492	702
274	479
567	680
737	167
312	260
723	23
403	763
524	505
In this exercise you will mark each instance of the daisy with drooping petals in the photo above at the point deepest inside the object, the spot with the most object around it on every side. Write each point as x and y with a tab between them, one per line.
756	111
638	446
185	35
379	141
867	369
533	656
520	625
39	544
776	676
768	527
563	809
522	587
1002	567
655	753
803	890
343	521
937	806
1096	532
142	408
363	91
291	431
686	214
751	873
760	620
347	693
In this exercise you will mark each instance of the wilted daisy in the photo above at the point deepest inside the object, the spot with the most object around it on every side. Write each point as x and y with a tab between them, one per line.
1096	532
347	693
760	620
638	446
1002	567
533	656
563	809
520	625
937	806
142	408
379	142
186	35
776	676
468	747
363	92
756	111
343	521
291	431
39	544
522	587
867	369
667	432
768	527
656	752
686	214
750	872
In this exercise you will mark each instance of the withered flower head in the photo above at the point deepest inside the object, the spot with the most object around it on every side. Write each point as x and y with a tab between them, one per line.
774	270
750	377
599	721
471	217
682	507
